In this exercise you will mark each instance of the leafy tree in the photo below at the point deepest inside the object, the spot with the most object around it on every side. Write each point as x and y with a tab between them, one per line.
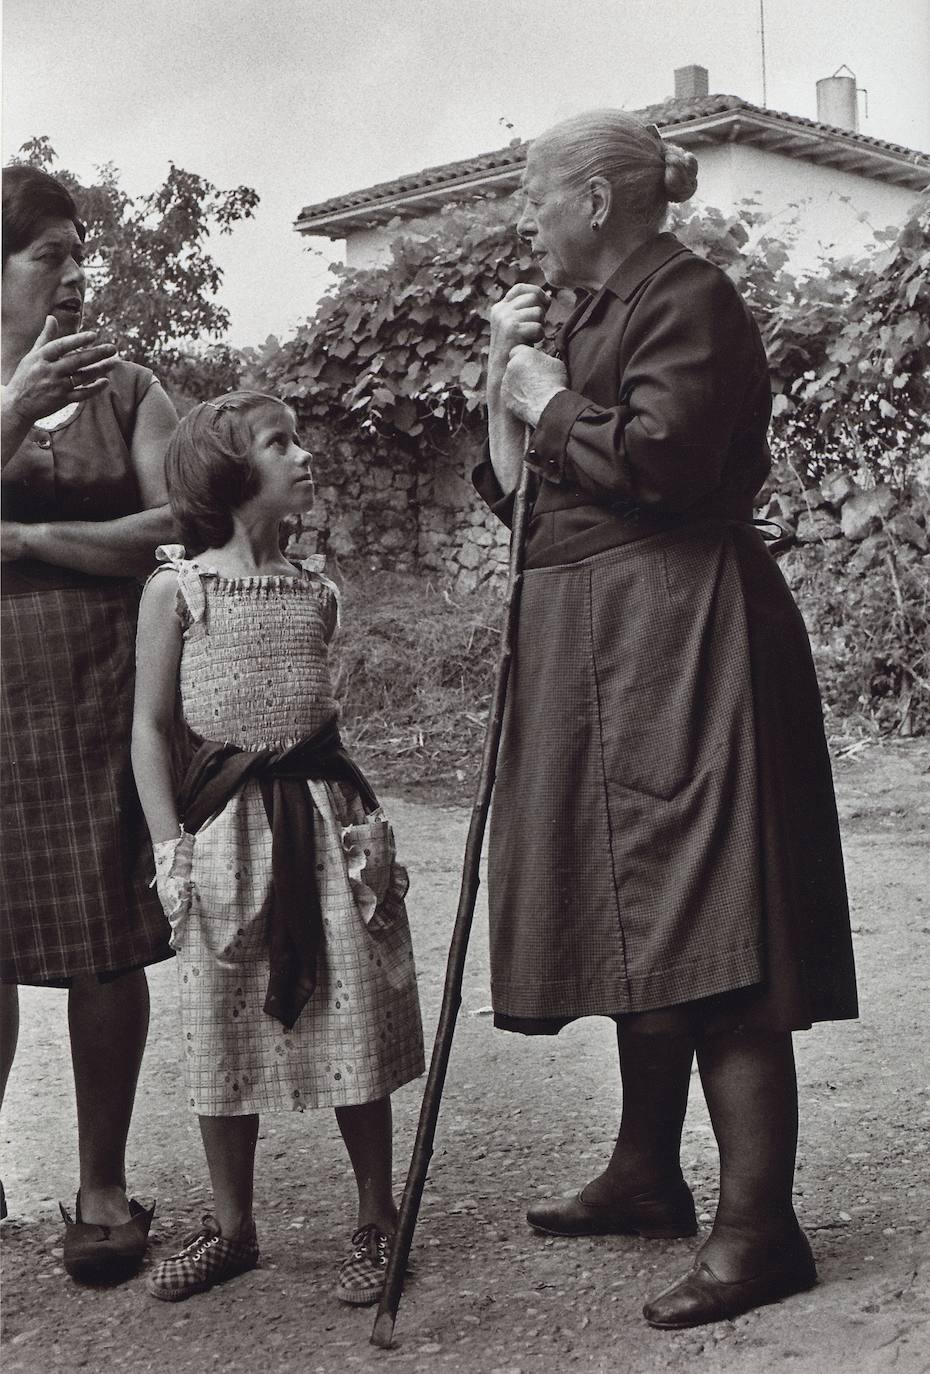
152	282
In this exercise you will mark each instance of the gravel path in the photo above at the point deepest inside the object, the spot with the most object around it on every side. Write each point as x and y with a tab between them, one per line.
520	1118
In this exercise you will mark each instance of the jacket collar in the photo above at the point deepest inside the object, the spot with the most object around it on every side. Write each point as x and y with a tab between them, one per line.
641	263
629	276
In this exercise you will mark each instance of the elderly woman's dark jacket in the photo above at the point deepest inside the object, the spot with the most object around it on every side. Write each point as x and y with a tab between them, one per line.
664	828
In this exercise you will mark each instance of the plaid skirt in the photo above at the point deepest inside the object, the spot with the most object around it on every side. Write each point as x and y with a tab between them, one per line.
73	886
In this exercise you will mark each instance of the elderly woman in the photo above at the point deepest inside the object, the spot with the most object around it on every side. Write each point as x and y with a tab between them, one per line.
83	508
664	845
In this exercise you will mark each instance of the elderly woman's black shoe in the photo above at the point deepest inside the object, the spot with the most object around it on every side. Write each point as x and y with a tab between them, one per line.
700	1297
105	1254
656	1214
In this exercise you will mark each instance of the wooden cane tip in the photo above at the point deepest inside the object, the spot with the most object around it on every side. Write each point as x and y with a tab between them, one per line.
383	1333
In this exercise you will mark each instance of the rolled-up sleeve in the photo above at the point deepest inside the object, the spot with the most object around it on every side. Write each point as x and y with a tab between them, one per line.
684	379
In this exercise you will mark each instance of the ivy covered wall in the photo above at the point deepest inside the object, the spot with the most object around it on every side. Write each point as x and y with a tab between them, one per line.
387	377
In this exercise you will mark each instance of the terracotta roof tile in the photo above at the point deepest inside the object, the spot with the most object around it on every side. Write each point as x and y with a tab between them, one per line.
667	113
699	107
513	155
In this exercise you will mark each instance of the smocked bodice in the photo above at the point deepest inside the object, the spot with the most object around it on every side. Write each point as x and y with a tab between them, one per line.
254	669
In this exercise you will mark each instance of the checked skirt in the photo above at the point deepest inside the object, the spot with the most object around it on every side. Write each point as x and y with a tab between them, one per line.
73	883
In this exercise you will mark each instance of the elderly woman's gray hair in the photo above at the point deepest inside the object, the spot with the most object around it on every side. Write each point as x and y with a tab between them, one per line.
630	155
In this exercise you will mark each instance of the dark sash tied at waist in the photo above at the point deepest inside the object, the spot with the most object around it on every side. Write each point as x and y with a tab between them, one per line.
293	912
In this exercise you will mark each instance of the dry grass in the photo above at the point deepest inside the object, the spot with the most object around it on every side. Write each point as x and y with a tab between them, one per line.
414	669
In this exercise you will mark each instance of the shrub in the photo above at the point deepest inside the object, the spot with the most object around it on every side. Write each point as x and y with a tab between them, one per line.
414	670
856	339
869	620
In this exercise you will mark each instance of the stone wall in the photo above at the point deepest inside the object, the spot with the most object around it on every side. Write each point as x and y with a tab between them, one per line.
858	558
856	524
460	540
405	509
414	510
859	568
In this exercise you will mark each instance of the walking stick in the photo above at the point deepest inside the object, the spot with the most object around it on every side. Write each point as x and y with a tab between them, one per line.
383	1331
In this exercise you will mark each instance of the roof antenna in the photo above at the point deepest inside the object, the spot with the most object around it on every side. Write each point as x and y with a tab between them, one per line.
765	100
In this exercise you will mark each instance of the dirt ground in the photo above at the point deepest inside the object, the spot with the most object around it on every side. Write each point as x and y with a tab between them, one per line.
520	1119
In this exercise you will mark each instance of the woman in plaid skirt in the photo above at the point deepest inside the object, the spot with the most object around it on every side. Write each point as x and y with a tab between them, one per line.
664	846
84	499
295	967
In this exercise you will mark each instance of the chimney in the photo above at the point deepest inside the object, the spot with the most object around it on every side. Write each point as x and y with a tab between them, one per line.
691	81
836	100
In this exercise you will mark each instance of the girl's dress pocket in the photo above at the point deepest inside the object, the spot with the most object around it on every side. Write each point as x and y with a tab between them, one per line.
379	884
173	864
369	853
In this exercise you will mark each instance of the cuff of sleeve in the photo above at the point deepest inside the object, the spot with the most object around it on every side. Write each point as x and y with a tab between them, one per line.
488	488
547	449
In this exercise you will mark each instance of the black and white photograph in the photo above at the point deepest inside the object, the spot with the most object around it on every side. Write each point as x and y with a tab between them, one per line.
465	687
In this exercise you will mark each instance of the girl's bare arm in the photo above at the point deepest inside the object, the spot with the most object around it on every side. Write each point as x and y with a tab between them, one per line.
158	654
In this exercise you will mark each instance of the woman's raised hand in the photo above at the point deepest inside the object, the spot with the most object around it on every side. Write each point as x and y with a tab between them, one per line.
517	319
58	371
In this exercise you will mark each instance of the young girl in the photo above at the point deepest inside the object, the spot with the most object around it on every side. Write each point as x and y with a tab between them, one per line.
274	864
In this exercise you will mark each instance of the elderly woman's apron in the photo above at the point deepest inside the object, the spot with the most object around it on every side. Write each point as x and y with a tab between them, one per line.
664	827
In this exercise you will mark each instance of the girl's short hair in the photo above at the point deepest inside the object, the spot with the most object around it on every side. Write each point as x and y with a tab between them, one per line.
208	466
630	155
30	197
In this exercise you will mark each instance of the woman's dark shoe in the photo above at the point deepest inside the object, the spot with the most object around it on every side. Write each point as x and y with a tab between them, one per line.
105	1254
701	1297
655	1214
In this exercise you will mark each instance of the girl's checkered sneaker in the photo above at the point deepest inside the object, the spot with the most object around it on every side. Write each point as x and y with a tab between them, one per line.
361	1276
206	1258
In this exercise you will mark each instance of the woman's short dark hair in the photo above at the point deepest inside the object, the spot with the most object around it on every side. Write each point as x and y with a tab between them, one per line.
30	197
209	470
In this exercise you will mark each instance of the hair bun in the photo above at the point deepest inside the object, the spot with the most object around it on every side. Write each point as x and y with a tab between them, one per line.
681	173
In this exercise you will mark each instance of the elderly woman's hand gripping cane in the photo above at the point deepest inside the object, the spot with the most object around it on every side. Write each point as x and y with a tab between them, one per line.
515	322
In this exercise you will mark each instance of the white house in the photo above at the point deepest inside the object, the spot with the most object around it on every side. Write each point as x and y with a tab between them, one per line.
837	184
